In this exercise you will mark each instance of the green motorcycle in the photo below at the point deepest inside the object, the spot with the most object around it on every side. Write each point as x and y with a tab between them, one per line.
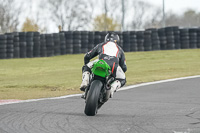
98	91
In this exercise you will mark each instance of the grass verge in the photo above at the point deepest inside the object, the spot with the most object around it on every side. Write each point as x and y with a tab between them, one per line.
61	75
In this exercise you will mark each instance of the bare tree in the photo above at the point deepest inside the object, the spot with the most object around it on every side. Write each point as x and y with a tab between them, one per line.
189	18
139	10
155	19
141	14
172	19
70	15
110	9
10	11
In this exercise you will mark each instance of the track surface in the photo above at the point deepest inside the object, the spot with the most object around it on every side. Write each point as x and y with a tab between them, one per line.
171	107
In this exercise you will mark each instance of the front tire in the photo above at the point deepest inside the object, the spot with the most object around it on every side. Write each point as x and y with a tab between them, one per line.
92	98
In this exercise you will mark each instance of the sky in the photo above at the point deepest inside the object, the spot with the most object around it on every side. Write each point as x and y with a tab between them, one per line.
177	6
174	5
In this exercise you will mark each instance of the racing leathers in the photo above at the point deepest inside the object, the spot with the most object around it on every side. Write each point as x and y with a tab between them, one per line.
114	57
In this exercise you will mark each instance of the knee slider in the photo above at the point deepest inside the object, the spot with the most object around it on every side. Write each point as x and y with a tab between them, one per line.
122	81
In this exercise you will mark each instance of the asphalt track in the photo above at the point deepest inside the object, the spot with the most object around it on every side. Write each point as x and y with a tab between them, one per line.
168	107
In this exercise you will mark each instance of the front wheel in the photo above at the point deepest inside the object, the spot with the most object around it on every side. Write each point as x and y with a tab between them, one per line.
92	98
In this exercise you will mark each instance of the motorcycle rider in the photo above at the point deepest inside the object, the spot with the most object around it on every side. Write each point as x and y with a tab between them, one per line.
113	55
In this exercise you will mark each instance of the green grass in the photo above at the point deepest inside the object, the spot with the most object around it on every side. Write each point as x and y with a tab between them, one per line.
61	75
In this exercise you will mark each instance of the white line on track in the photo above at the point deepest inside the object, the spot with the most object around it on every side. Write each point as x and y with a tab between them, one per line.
121	89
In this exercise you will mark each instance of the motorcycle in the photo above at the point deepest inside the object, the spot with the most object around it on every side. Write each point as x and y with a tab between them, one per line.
98	90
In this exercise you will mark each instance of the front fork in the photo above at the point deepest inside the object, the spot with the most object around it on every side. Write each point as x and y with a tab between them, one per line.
105	92
104	96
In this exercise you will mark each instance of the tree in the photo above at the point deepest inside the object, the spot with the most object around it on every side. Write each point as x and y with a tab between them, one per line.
70	15
10	11
142	14
101	20
154	20
190	18
112	10
172	19
139	10
30	25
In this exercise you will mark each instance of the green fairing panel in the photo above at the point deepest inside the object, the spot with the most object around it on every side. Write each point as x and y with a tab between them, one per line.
101	68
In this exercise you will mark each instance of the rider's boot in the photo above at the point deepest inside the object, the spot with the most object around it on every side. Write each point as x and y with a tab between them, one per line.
85	80
114	87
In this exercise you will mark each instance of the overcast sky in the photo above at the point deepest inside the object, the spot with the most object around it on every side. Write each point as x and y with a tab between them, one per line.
177	6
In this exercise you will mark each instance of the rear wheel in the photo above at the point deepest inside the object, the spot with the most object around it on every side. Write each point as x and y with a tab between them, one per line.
92	98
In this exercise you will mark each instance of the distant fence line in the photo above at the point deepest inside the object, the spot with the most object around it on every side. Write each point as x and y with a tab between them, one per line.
34	44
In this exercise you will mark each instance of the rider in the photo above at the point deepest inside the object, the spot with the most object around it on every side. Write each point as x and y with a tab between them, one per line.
113	54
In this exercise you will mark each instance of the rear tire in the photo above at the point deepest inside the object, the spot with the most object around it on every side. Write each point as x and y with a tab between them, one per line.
92	98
